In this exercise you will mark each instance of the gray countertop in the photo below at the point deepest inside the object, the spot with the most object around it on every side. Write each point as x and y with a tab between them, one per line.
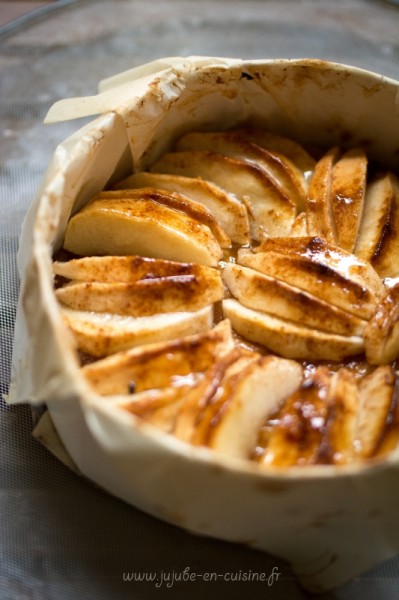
61	537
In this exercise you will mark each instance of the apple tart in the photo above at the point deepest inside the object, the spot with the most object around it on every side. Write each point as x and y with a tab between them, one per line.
208	304
240	294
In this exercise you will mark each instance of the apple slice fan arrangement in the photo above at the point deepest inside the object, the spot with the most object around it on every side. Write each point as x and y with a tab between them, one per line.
241	295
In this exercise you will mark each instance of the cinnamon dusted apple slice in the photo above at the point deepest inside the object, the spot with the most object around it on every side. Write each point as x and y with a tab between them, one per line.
377	392
233	143
197	211
175	293
227	210
385	258
376	216
159	365
289	339
271	210
101	334
338	445
319	212
124	226
319	280
293	434
202	401
389	440
288	147
318	251
252	394
125	269
276	297
347	196
381	335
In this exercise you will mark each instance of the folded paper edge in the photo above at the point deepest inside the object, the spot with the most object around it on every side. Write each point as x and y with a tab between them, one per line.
115	90
47	435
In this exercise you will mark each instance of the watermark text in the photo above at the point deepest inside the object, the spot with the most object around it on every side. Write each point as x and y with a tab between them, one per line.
170	578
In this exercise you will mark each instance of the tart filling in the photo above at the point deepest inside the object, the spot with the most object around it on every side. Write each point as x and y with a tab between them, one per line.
241	295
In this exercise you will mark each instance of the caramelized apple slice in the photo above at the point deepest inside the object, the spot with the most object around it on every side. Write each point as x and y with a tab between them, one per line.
200	401
385	259
338	445
123	226
275	297
159	365
227	210
125	269
389	439
146	297
257	390
288	339
101	334
193	209
381	336
288	147
319	213
322	253
232	143
347	196
376	394
317	278
293	435
271	210
376	215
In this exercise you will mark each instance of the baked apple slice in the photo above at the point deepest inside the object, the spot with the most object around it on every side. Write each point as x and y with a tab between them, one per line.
289	339
159	365
376	216
155	380
179	202
271	210
381	335
339	444
200	403
175	293
377	392
101	334
319	211
316	425
322	253
123	226
255	392
125	269
287	147
276	297
348	189
319	280
232	143
293	434
385	257
227	210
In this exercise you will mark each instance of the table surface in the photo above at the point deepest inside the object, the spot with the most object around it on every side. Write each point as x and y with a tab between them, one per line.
61	537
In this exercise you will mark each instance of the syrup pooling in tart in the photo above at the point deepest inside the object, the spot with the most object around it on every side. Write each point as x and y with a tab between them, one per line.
241	295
